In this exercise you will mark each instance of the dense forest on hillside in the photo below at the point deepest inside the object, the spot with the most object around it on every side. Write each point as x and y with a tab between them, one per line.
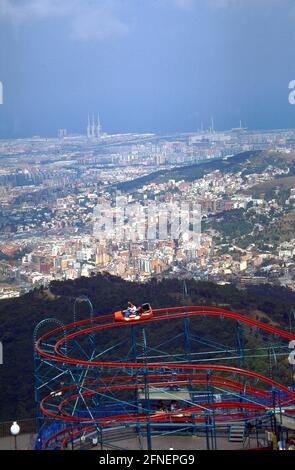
107	294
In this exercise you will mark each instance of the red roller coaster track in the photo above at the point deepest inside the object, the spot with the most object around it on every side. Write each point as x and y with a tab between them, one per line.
89	326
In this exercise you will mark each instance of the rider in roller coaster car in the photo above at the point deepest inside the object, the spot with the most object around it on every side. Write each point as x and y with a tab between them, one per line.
132	310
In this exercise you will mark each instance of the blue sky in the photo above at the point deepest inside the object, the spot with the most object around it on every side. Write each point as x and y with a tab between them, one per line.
145	65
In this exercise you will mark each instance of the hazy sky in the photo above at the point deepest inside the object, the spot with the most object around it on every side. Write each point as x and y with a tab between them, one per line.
146	65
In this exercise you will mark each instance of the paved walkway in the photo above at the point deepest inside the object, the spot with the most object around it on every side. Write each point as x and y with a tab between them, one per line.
180	443
26	441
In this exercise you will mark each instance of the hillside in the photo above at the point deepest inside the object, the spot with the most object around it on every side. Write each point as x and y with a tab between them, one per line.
107	293
246	162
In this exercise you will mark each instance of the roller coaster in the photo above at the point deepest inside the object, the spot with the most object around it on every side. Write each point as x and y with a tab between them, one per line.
122	385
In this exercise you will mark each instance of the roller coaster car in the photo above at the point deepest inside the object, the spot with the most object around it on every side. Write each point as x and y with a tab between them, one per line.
143	313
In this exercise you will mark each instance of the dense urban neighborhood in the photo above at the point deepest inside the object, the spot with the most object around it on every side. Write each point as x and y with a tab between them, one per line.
240	180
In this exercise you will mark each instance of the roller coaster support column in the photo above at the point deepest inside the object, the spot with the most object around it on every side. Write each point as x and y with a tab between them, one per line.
134	377
212	426
37	366
270	366
147	394
240	344
187	349
134	355
207	423
280	412
100	438
256	430
274	421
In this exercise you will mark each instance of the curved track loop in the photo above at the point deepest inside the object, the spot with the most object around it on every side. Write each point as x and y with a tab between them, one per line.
86	327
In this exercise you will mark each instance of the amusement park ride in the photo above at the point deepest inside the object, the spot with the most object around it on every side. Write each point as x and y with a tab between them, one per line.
144	312
102	382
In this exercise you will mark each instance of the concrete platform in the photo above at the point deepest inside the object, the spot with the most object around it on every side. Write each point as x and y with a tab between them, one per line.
179	443
24	442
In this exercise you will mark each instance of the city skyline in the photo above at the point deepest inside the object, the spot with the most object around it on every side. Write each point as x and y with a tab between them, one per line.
61	197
